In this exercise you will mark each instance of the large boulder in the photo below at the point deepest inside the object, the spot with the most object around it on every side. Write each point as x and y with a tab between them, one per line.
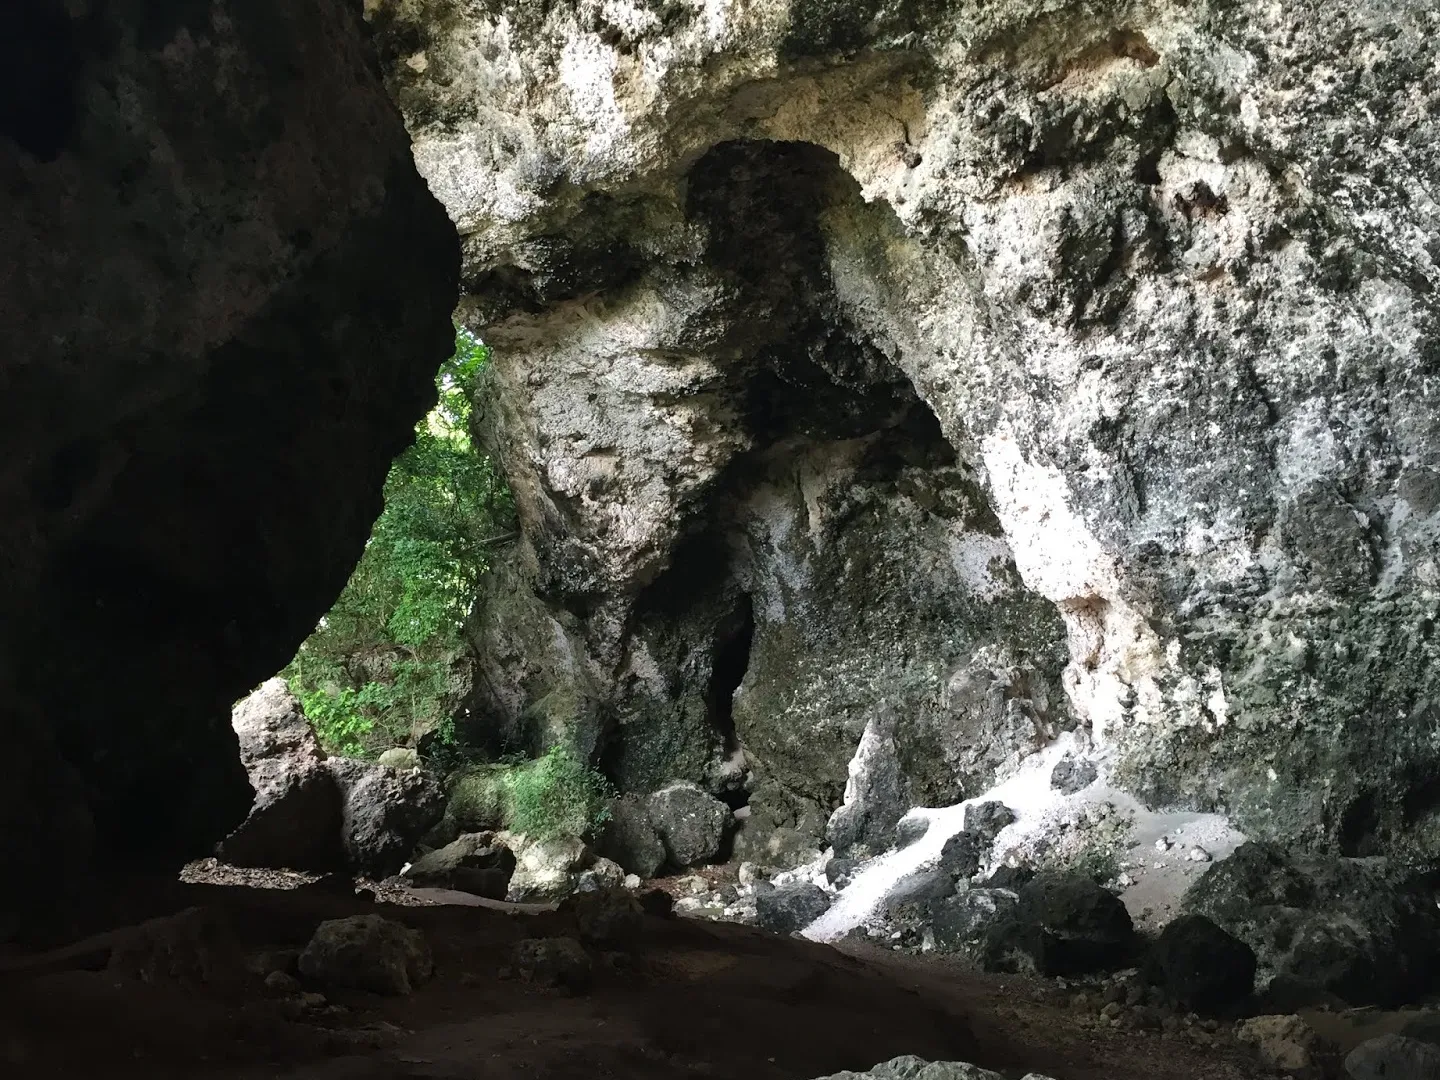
295	819
785	909
227	291
367	952
384	813
473	863
1359	929
1393	1057
1063	924
1200	965
691	822
631	838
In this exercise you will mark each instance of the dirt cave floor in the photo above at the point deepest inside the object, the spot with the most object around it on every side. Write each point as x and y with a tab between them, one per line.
689	999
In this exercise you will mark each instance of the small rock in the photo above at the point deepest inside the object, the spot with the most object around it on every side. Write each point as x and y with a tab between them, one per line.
1112	1010
1073	774
603	874
1198	854
748	873
367	952
282	984
558	962
788	908
400	758
909	830
633	882
1163	844
837	871
1393	1057
962	855
1286	1043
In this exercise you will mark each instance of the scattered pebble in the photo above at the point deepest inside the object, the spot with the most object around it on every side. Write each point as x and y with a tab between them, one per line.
1198	854
1163	844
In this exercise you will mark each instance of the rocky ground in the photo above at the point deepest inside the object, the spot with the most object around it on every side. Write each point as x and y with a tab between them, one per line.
233	980
190	995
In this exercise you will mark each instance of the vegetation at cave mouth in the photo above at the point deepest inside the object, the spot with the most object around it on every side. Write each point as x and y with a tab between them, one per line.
389	663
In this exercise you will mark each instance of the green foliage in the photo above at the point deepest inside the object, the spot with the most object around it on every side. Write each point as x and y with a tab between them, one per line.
554	796
387	660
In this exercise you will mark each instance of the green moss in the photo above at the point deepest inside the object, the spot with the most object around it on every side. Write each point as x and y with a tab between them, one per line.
551	797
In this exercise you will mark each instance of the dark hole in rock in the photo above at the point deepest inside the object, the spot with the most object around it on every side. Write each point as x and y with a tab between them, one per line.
732	659
1360	827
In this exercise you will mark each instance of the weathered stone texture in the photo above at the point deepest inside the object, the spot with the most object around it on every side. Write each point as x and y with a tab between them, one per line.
968	342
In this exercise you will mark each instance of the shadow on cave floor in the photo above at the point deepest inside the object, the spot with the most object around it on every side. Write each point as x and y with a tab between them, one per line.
685	999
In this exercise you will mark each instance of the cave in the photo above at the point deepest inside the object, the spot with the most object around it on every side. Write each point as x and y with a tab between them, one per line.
975	472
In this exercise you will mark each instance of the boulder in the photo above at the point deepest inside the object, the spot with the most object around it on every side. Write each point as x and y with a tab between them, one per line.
785	909
1283	1042
965	921
605	916
1064	924
921	887
367	952
963	854
1072	774
600	875
1393	1057
1200	965
294	822
384	813
474	863
1359	929
986	819
911	830
914	1068
547	870
631	838
554	963
874	800
691	822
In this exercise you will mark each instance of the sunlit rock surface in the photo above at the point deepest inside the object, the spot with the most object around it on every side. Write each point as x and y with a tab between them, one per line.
1022	366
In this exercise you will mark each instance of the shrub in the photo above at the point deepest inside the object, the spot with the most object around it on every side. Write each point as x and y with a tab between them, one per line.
554	796
382	667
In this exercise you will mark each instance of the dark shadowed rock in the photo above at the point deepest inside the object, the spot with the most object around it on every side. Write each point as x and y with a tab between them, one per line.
691	822
963	922
839	871
986	819
1393	1057
962	855
367	952
631	838
1358	929
556	963
1064	924
1200	965
922	887
216	207
384	812
295	820
787	908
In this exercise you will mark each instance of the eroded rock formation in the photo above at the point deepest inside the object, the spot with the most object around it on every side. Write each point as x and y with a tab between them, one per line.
1015	365
225	295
